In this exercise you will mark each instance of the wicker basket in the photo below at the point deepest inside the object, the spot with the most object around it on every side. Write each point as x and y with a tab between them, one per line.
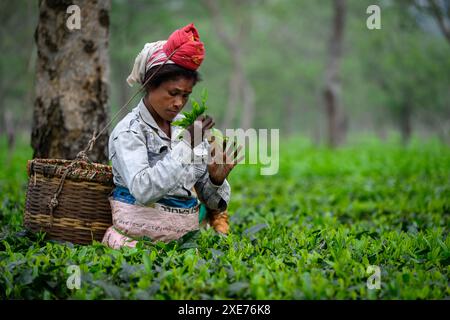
68	199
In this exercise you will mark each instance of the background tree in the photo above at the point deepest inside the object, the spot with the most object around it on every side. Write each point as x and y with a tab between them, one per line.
284	53
16	66
412	72
336	121
439	10
71	80
239	86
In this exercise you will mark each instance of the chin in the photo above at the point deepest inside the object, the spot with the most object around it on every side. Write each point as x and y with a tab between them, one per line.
171	116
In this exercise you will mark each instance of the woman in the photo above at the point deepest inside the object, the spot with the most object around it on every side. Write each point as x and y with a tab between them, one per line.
160	169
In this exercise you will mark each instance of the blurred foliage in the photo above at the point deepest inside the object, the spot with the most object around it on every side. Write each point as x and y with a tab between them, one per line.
406	62
18	20
308	232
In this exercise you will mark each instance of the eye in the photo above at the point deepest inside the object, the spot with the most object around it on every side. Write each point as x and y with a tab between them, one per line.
186	95
172	93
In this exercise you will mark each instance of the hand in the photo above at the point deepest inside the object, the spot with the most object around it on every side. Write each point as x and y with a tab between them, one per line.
196	131
224	158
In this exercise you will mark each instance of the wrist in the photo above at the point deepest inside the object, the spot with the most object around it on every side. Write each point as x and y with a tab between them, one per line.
216	182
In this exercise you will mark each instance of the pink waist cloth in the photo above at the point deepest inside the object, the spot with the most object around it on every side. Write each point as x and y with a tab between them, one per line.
115	240
136	221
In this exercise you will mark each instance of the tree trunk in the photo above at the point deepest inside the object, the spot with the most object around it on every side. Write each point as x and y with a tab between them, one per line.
405	122
336	122
239	85
234	86
248	95
2	111
289	115
442	17
7	124
71	80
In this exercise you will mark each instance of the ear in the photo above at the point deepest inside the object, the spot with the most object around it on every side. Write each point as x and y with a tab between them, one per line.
147	91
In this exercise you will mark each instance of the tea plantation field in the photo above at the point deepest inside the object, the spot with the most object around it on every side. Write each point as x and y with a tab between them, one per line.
309	232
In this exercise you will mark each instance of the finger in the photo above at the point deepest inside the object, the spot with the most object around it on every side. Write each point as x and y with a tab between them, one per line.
206	120
207	117
207	134
206	124
216	153
237	153
242	157
210	135
234	148
211	124
227	153
232	157
225	158
224	145
198	123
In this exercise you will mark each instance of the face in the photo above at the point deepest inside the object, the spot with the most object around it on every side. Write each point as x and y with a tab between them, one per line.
170	97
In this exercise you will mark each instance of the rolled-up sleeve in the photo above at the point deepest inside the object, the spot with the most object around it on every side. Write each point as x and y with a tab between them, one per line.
215	197
149	184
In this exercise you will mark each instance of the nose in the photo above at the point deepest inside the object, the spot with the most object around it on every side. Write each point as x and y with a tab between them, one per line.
178	103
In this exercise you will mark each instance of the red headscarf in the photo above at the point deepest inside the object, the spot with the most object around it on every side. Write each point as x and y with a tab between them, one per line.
190	51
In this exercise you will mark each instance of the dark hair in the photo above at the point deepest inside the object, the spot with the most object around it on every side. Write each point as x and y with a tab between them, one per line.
169	72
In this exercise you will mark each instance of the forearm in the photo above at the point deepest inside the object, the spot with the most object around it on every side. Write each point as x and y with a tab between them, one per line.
214	196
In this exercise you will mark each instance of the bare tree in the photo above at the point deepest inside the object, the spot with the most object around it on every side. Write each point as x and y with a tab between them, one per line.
440	11
18	56
71	80
240	88
336	120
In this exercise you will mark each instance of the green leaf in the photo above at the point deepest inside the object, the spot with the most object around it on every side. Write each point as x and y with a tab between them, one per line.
255	229
237	287
147	262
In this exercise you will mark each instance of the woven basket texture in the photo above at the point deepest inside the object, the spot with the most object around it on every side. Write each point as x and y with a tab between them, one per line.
82	212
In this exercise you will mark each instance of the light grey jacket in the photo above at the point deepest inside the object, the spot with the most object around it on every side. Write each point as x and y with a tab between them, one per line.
151	165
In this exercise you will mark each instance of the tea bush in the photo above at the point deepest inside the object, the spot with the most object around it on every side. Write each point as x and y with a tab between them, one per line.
308	232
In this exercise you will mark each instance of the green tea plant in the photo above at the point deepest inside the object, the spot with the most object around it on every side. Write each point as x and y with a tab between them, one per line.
309	232
197	110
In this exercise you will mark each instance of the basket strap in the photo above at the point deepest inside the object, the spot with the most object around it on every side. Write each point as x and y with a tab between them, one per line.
54	200
82	154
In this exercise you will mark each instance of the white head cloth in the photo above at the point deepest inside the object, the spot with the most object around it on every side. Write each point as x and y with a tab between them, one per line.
152	55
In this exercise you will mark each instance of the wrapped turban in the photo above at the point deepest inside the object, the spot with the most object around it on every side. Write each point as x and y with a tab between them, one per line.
183	44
